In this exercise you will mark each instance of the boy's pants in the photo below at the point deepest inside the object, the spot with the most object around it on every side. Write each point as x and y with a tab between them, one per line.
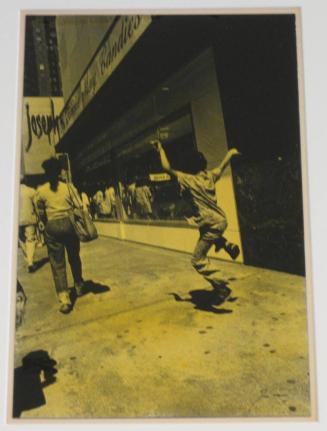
209	236
60	235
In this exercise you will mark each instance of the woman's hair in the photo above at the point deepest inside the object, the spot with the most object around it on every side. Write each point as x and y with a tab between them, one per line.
52	169
196	162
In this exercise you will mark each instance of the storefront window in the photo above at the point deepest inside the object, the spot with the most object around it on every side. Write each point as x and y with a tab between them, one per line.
102	194
146	192
129	184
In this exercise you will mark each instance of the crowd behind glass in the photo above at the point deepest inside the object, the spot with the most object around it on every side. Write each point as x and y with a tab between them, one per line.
137	198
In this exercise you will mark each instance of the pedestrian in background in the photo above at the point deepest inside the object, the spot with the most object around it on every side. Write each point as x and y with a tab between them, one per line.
85	201
27	223
111	196
98	198
143	199
58	201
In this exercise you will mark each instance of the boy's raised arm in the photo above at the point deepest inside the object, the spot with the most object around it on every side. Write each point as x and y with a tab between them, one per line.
217	172
163	158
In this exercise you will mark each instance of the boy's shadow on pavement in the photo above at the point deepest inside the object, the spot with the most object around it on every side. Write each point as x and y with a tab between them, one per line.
36	372
90	286
208	300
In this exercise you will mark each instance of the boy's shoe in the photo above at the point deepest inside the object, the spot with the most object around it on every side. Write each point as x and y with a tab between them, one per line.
65	308
219	244
222	291
232	249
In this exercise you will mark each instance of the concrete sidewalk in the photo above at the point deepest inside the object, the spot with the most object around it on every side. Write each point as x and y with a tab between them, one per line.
149	341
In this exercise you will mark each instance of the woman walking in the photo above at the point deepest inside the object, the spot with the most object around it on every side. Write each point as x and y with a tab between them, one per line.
57	199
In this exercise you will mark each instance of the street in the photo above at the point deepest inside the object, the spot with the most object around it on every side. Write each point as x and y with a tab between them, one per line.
148	340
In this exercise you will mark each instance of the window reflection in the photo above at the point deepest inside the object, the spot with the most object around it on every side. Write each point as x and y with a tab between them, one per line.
103	202
132	185
146	192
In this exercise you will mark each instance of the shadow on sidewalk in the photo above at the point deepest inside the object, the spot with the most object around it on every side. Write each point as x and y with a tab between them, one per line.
36	372
90	286
39	263
208	300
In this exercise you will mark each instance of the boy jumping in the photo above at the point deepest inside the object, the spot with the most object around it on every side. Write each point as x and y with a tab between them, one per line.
199	185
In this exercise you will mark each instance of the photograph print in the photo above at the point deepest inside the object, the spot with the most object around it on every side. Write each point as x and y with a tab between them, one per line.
161	253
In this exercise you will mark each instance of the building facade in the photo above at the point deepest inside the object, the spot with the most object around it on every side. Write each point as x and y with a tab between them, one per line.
42	96
196	82
42	76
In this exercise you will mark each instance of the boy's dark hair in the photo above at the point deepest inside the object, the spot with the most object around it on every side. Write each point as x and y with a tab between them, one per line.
196	162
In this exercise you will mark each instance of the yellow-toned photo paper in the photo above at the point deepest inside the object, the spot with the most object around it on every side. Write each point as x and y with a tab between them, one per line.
163	255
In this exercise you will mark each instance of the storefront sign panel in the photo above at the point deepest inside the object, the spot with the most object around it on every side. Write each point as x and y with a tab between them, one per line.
159	177
40	131
126	32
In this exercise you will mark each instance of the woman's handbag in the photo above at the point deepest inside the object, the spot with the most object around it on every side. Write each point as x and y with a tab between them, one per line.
81	219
